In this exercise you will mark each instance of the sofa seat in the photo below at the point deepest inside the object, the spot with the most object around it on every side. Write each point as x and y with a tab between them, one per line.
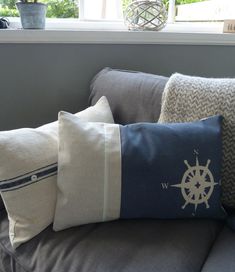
124	245
222	257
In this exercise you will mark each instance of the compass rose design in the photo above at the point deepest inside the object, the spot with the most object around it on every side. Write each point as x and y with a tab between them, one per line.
197	184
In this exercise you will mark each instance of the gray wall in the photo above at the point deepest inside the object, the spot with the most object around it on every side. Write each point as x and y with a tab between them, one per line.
38	80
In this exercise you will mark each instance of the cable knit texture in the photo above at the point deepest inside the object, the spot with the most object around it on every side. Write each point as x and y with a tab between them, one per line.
187	98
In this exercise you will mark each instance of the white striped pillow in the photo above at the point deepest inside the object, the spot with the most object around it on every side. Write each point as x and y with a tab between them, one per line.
28	173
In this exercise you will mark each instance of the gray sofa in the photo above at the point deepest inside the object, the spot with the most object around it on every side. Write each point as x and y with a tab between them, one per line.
125	245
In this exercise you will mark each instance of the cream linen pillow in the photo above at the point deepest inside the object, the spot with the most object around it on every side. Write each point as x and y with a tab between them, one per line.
28	173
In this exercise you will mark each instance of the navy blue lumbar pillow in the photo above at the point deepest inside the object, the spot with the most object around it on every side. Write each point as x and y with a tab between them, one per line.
171	170
143	170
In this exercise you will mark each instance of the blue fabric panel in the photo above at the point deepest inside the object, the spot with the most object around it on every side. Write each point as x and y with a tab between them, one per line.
171	170
28	178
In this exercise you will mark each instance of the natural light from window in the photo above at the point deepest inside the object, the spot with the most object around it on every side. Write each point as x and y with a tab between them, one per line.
112	10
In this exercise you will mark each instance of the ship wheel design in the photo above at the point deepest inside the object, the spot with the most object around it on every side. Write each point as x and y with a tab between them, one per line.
197	184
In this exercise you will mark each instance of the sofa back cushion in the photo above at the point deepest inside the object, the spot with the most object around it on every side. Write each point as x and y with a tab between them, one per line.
133	96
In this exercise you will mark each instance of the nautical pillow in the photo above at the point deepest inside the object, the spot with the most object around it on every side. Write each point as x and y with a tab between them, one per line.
28	173
143	170
187	98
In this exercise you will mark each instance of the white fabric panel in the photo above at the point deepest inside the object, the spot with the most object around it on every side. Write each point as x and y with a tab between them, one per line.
112	185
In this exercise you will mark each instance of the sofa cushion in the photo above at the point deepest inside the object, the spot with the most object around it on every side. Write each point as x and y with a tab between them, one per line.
189	98
132	163
133	96
222	257
125	245
28	173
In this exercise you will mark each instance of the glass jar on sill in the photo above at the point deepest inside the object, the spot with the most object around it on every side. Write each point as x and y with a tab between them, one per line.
146	15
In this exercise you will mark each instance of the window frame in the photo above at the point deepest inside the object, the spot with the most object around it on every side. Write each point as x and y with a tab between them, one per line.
104	31
171	12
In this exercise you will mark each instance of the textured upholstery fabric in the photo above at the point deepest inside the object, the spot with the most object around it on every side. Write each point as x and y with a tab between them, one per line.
133	96
222	255
128	246
188	99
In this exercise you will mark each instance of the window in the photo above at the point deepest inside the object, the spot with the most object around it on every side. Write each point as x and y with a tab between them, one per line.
198	10
100	10
83	9
56	8
112	10
205	10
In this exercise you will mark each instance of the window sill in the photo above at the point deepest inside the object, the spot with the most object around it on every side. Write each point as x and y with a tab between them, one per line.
117	33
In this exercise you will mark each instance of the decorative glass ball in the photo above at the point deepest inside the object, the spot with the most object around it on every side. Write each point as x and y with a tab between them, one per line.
146	15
